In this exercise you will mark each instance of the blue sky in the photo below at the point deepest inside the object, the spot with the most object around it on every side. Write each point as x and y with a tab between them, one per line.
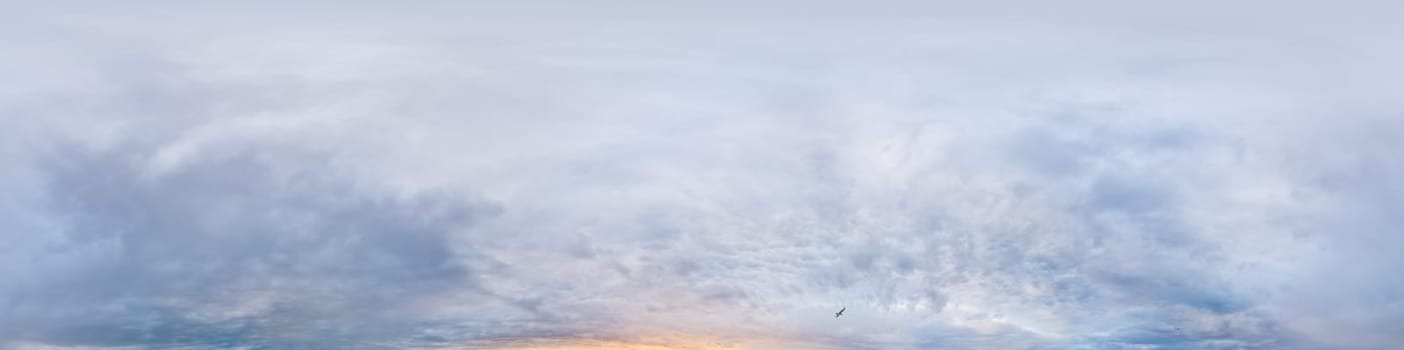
621	174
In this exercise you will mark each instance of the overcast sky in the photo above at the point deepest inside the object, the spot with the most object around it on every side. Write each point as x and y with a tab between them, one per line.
680	175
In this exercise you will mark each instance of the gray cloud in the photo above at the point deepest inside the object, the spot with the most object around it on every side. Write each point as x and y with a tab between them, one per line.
254	247
540	174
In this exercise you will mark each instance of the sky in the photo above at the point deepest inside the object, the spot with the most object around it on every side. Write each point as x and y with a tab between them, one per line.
701	175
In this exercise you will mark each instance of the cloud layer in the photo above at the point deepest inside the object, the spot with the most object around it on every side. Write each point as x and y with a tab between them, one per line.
725	176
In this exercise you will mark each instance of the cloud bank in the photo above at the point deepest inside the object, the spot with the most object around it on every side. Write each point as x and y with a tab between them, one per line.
625	174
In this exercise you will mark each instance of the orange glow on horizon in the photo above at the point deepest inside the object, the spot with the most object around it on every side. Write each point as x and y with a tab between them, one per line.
621	345
667	342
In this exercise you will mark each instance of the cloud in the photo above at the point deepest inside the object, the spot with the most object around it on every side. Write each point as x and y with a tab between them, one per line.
491	176
254	247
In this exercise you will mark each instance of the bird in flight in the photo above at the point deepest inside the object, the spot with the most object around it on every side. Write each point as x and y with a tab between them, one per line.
840	313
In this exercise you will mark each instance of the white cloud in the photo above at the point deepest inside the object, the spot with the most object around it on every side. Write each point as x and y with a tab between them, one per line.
540	174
